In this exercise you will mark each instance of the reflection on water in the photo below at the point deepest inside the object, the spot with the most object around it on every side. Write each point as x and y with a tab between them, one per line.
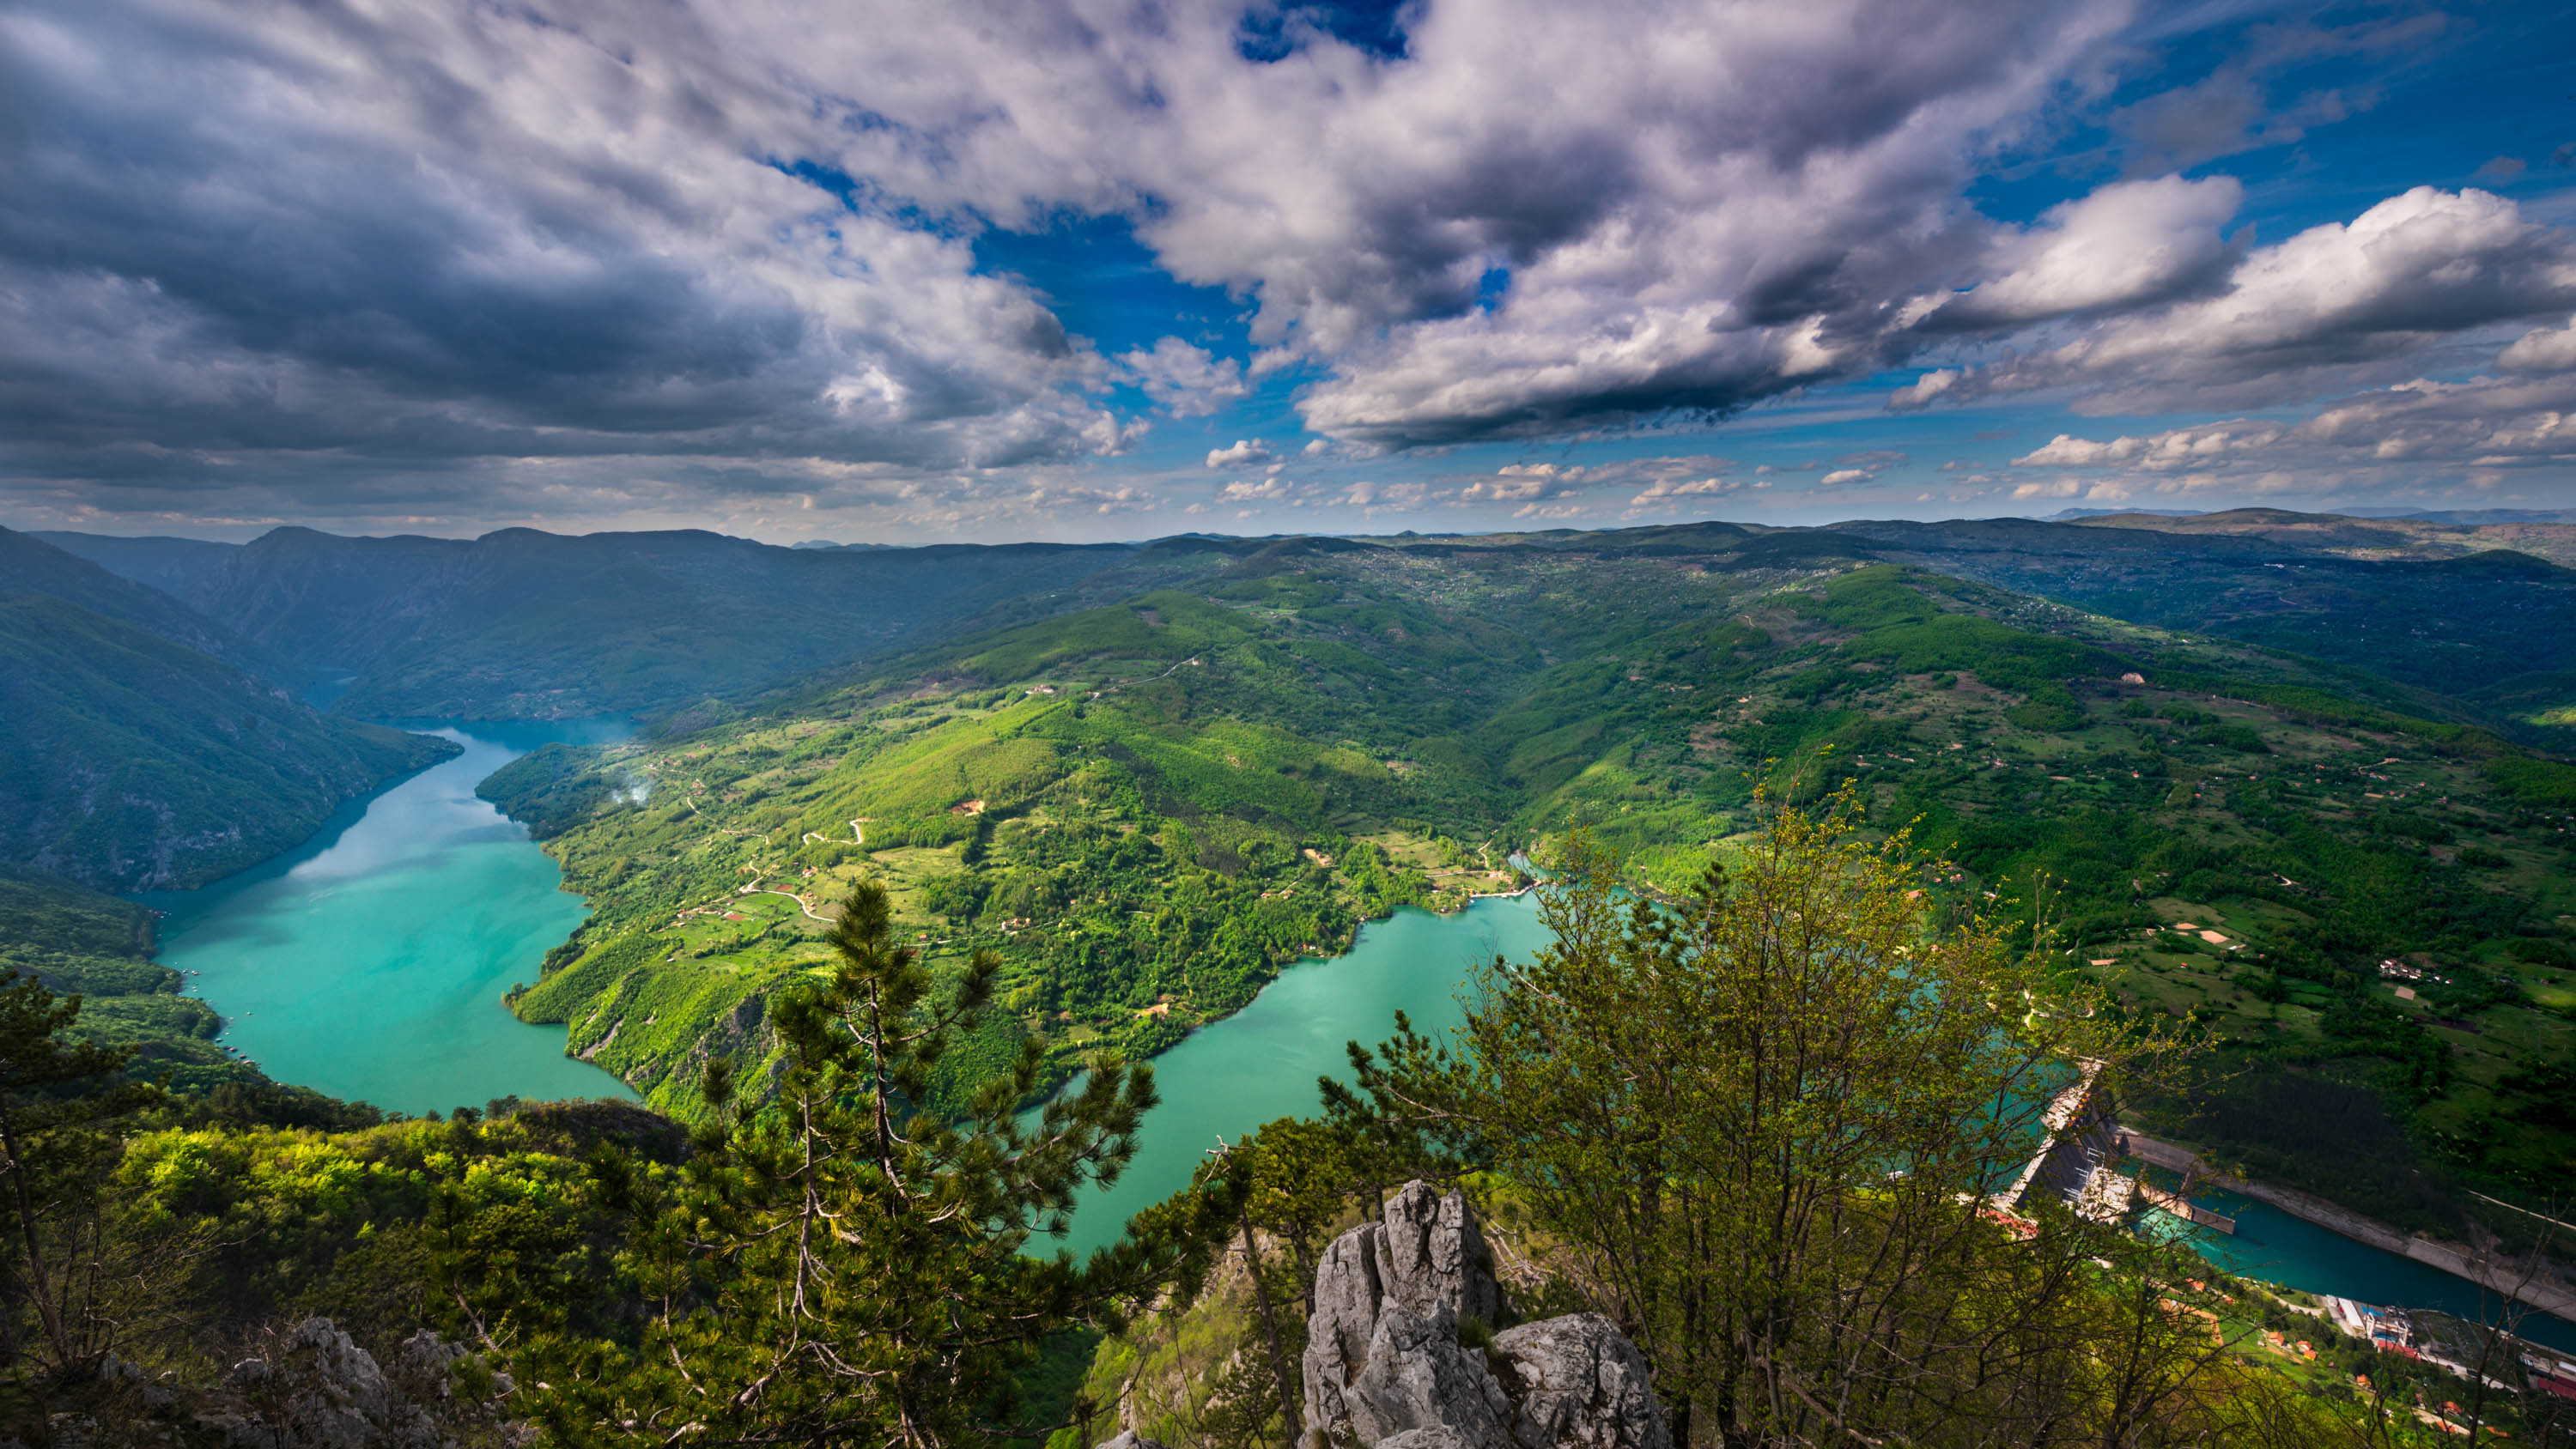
369	963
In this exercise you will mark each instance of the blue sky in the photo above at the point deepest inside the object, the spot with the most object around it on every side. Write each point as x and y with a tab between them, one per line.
1098	269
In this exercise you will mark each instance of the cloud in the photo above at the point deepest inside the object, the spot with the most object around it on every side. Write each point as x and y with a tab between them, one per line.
2055	488
310	247
1922	390
1663	476
1373	498
2325	305
1245	451
2546	350
2180	448
1873	459
2383	440
1665	490
2125	245
2230	110
1696	207
423	260
1183	379
1520	482
1840	476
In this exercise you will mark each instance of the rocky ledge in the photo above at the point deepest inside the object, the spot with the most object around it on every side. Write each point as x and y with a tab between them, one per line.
1403	1351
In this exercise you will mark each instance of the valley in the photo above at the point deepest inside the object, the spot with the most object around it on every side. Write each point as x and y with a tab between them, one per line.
1225	804
1149	809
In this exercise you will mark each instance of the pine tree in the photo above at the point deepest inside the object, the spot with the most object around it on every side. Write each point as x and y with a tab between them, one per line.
845	1266
54	1144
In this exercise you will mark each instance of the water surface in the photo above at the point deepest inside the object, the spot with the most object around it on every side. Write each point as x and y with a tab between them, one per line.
2278	1248
369	962
1261	1063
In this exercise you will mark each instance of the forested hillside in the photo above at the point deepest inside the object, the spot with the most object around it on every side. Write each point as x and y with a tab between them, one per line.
1150	807
131	762
2316	912
522	624
2427	607
29	565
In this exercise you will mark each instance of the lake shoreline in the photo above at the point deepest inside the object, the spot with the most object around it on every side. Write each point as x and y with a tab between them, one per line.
363	963
2367	1231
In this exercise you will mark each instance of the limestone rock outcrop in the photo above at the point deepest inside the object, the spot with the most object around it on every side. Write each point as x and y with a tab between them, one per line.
313	1388
320	1390
1386	1366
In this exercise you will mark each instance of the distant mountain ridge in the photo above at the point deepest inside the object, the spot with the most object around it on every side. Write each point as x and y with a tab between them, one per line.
524	624
30	564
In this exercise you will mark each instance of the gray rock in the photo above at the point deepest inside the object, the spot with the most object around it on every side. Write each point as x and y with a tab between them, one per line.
1419	1377
319	1390
1130	1439
1580	1382
1385	1370
1435	1259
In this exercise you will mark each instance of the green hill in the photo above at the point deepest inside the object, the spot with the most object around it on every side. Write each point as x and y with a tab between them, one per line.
132	762
31	565
100	948
1152	806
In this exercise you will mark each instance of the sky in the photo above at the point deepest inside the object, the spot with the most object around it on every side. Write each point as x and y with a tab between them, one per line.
1118	269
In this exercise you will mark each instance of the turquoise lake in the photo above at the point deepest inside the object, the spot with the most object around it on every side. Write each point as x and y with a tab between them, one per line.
1260	1064
369	962
2274	1246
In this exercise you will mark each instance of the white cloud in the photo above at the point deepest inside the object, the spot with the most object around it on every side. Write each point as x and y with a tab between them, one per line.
2324	305
2545	350
1518	482
1184	379
2056	488
1840	476
2124	245
2166	452
1665	490
2393	440
1245	490
415	248
1245	451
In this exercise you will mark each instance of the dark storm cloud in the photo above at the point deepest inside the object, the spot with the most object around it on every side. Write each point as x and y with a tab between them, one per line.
429	233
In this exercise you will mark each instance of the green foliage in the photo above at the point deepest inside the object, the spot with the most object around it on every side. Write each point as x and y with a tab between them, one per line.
2543	782
1762	1128
53	1136
74	940
831	1269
